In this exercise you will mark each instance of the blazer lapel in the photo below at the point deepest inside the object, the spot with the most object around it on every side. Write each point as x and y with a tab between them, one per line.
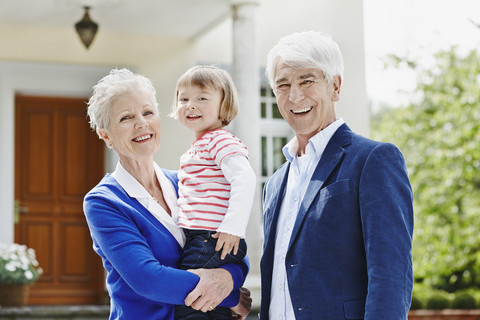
328	162
272	206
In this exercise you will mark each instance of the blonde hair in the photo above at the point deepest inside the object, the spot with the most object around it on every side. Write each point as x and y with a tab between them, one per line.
213	78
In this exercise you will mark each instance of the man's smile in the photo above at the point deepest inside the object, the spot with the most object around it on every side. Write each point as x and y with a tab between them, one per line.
304	110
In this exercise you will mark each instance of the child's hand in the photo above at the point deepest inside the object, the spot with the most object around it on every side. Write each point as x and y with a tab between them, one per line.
228	242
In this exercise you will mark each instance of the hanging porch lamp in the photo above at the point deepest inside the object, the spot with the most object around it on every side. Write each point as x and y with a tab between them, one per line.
86	28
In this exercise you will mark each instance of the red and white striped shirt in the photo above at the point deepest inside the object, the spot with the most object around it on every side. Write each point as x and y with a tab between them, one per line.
204	191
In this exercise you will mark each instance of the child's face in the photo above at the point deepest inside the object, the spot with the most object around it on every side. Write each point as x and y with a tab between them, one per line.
199	109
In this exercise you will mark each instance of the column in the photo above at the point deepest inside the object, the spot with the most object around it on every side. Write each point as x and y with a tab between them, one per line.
246	126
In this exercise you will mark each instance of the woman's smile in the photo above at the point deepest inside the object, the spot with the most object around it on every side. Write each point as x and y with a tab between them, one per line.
143	138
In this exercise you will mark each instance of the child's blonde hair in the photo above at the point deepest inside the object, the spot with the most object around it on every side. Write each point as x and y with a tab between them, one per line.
213	78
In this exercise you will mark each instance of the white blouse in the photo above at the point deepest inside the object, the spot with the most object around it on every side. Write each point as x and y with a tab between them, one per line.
137	191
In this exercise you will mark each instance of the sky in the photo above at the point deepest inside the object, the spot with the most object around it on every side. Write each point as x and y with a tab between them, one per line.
417	28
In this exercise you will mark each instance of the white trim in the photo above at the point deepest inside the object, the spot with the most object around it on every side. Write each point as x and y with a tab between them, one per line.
43	79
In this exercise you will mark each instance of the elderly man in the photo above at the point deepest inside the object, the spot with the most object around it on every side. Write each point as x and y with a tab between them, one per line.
338	215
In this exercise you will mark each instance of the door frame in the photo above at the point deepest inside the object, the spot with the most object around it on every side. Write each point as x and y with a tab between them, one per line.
41	79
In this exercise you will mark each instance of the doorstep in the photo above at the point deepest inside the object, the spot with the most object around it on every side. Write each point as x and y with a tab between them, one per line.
89	312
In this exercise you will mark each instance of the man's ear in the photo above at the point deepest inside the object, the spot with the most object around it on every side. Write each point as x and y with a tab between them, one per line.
336	85
103	134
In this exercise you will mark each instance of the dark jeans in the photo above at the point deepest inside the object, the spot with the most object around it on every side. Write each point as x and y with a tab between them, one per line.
188	313
199	252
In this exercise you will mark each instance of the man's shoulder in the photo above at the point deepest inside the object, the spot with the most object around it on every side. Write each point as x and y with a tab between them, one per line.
361	142
363	149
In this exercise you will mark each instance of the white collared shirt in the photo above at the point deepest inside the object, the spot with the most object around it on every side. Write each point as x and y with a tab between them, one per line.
301	170
137	191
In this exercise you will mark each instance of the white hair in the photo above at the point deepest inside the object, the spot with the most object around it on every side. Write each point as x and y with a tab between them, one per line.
118	82
305	50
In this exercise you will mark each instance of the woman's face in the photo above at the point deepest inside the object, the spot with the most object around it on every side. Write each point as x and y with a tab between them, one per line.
134	130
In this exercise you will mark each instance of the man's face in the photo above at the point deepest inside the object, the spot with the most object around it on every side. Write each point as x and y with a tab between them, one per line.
305	99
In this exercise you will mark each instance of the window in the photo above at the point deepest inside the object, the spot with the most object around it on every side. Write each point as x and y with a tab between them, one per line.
275	134
268	104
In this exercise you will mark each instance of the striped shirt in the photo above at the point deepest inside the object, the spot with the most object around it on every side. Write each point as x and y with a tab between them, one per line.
204	192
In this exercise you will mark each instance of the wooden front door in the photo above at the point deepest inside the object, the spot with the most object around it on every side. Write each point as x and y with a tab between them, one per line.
58	159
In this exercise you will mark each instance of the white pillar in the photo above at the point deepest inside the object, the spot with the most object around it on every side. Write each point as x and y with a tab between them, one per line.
246	126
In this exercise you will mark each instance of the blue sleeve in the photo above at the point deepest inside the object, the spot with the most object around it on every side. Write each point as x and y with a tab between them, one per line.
239	273
129	256
386	208
172	175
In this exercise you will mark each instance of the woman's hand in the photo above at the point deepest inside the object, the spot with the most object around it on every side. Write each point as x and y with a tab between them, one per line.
242	309
214	286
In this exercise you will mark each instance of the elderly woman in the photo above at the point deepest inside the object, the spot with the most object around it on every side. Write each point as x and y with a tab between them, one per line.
132	214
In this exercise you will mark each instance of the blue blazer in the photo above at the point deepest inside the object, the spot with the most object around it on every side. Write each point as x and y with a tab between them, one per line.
349	255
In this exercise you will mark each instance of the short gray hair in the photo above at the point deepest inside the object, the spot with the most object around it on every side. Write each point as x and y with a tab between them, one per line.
118	82
304	50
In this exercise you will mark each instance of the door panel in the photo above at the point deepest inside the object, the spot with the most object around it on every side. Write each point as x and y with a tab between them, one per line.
58	159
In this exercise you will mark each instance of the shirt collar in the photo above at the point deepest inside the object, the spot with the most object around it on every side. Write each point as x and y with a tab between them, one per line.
316	144
129	183
136	190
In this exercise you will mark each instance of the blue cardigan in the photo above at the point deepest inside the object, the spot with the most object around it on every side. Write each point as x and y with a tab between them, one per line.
141	256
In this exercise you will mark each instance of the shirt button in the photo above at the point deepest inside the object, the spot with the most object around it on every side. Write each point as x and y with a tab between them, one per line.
295	199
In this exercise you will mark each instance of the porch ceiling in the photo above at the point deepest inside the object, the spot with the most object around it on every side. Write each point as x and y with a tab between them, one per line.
170	18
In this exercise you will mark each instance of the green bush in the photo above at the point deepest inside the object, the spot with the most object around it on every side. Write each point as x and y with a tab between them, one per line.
437	131
437	302
416	303
464	301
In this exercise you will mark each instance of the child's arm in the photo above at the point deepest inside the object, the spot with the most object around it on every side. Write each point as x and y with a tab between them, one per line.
240	175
